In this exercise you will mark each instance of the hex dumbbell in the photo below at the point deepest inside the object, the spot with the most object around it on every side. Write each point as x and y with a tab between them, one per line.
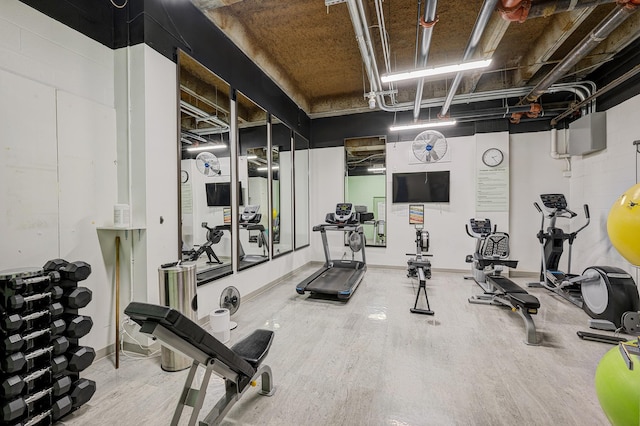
78	326
75	271
17	301
14	409
14	385
17	361
77	298
80	358
13	322
20	284
16	342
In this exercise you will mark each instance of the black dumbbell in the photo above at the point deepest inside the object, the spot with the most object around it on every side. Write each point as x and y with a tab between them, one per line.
54	265
14	385
80	358
19	284
82	391
15	408
16	342
78	326
17	301
13	322
75	271
77	298
16	362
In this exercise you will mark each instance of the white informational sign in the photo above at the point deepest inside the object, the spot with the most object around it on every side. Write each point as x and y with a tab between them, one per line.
492	189
187	198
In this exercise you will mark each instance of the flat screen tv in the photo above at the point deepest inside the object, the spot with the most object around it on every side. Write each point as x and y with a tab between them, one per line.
423	187
219	194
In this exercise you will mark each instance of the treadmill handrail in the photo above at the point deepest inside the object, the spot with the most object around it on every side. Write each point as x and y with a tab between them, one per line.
332	227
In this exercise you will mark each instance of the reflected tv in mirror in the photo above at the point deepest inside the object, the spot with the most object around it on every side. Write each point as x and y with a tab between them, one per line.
219	194
423	187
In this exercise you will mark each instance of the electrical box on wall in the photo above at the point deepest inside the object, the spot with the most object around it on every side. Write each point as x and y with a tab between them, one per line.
588	134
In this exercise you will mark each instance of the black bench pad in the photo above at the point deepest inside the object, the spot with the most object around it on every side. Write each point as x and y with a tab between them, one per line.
506	285
192	333
254	347
524	300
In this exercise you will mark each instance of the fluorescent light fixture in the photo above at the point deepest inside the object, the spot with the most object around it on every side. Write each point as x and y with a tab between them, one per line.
376	169
425	125
252	157
265	168
429	72
207	147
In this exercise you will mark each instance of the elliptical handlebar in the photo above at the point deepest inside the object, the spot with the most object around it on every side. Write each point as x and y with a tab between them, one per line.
586	214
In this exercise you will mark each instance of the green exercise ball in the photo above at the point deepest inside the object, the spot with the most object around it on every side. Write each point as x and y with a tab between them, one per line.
618	389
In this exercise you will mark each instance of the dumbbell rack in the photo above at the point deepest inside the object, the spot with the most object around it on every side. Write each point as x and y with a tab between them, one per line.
40	355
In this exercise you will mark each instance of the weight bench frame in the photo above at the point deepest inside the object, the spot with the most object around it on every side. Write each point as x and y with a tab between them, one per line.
496	295
236	383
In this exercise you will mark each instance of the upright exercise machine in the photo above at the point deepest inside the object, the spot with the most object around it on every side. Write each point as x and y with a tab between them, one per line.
605	293
419	266
341	277
250	220
214	235
489	259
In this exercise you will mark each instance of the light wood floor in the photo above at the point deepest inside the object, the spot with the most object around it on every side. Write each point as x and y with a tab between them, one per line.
371	362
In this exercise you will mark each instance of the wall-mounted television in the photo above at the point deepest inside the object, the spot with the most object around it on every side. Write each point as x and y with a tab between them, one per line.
423	187
219	194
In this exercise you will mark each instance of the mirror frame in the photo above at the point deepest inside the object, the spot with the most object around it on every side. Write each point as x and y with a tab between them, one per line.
384	174
181	59
291	201
297	136
237	95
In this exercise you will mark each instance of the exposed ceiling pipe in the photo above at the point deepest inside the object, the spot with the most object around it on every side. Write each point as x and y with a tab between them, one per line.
546	8
427	23
617	16
384	40
613	84
481	23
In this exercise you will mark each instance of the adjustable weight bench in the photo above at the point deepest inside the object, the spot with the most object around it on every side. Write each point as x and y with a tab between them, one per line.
500	290
239	365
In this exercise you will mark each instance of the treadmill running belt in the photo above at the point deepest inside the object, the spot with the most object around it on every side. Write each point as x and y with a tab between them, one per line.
333	281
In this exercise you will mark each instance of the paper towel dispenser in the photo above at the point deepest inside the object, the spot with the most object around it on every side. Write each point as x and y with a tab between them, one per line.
588	134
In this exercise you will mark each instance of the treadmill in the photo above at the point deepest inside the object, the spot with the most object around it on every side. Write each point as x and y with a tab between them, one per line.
338	278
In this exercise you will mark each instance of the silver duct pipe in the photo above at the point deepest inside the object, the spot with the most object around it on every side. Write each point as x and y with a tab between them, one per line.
429	16
597	35
481	23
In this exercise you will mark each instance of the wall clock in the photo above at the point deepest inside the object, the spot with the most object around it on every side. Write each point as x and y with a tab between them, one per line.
492	157
184	176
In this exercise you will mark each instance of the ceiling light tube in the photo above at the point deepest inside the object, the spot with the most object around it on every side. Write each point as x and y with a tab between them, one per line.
264	169
376	169
425	125
251	157
429	72
207	147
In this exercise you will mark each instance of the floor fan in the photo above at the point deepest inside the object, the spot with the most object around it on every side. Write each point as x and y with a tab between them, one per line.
230	299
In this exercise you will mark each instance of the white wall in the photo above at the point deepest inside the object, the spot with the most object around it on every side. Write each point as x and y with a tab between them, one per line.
533	172
598	180
58	139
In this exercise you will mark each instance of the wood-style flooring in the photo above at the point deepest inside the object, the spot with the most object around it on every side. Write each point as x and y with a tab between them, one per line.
369	361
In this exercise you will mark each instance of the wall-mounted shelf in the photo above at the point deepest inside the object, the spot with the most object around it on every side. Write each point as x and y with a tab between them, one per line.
120	228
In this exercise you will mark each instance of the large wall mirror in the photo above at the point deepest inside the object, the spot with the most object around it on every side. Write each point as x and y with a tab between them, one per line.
205	170
365	184
301	190
253	175
281	188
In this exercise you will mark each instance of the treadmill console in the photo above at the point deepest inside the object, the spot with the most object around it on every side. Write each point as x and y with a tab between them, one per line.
554	201
250	214
344	214
480	226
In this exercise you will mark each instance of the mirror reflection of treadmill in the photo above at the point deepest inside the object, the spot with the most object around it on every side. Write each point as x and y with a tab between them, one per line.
250	220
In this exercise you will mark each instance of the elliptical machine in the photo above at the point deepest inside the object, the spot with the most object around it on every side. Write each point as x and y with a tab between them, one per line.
605	293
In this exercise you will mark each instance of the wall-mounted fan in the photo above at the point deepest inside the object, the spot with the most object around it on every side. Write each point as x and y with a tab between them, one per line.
429	146
208	164
230	299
